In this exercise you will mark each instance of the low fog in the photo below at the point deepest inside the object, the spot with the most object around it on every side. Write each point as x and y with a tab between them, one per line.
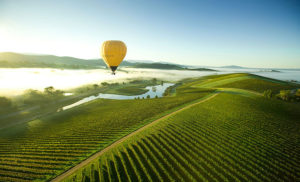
16	81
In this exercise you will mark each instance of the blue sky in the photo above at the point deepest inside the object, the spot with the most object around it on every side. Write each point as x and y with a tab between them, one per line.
253	33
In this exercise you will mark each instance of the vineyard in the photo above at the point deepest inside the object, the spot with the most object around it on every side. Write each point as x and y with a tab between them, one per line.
244	81
228	138
236	136
44	148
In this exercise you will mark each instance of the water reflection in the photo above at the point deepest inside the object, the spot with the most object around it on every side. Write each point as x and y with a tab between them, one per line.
153	91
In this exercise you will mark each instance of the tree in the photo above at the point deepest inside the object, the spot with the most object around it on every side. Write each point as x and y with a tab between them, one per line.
34	97
156	96
104	84
148	96
52	94
95	86
49	90
284	95
297	95
5	103
154	80
268	94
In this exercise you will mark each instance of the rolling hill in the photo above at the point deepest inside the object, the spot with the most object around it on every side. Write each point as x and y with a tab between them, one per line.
233	67
215	128
16	60
168	67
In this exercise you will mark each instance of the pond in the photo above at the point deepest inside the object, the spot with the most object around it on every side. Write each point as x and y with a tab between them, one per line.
153	91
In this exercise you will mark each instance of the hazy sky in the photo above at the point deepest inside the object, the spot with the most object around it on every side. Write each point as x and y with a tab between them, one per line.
254	33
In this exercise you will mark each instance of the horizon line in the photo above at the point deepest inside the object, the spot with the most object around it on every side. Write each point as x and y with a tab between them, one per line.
154	61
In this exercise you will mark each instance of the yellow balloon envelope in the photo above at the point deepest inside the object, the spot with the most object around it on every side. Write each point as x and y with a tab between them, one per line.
113	53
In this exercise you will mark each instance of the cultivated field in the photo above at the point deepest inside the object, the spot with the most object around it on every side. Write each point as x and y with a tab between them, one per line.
227	138
236	136
43	148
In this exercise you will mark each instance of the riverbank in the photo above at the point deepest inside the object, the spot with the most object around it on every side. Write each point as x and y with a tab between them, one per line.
129	90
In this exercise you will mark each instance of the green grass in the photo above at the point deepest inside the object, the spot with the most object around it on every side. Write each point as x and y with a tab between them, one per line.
128	90
131	87
259	85
245	81
43	148
236	136
228	138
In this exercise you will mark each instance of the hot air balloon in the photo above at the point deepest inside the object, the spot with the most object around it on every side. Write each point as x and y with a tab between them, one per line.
113	53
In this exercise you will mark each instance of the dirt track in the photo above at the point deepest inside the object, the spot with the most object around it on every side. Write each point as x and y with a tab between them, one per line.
96	155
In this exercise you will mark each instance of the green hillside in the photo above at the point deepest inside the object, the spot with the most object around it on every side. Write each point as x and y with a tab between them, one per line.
43	148
245	81
218	140
235	134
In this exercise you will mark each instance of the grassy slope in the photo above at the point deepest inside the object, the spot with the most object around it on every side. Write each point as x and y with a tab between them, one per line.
23	115
43	148
245	81
132	90
231	137
260	146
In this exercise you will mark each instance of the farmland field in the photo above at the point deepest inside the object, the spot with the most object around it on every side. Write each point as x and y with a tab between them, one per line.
236	136
43	148
228	138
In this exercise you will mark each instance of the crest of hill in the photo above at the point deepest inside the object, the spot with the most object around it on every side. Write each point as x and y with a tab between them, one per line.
233	67
17	60
168	67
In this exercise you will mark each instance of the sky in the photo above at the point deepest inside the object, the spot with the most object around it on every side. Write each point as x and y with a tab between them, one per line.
252	33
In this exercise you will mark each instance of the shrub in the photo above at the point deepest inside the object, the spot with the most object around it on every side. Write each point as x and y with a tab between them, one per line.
268	94
284	95
5	104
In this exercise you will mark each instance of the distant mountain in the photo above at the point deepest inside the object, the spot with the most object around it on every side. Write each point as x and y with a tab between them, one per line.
168	67
233	67
157	66
200	69
140	61
16	60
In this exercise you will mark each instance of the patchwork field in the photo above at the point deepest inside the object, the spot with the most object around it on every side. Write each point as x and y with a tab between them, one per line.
238	135
227	138
43	148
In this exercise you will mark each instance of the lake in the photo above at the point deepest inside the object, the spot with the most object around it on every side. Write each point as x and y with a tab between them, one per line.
153	91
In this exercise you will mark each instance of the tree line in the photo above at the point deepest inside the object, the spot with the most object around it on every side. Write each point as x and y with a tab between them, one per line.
31	98
292	95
